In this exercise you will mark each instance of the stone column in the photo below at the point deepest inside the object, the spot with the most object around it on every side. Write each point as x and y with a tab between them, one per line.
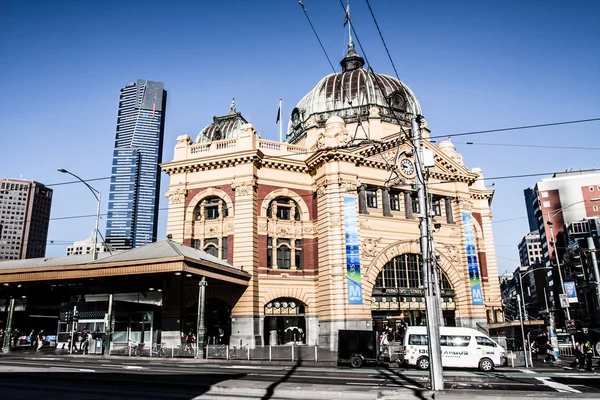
385	199
448	209
109	323
201	328
362	199
245	316
408	205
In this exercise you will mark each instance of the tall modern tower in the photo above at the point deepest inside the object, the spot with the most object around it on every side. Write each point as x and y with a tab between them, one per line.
135	178
24	219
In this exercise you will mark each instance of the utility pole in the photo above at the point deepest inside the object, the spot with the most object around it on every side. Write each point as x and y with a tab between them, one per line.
201	329
436	376
592	249
522	332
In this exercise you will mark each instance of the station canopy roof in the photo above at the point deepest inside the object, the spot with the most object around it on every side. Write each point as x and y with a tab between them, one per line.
159	257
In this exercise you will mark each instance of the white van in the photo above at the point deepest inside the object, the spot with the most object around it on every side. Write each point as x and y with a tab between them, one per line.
461	348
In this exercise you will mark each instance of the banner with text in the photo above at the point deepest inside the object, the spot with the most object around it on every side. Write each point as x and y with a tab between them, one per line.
571	291
352	253
472	263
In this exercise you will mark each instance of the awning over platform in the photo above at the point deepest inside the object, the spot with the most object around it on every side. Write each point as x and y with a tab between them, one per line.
160	257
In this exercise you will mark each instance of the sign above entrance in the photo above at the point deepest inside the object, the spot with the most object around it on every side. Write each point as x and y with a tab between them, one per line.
352	253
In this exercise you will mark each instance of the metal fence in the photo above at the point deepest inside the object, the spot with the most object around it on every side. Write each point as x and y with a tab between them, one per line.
225	352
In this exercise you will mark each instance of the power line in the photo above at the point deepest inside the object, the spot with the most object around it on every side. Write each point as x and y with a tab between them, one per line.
316	35
514	128
86	180
382	40
536	146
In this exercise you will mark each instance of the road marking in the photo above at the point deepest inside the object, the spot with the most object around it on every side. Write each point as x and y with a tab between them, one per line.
527	371
132	367
244	366
86	370
559	387
325	377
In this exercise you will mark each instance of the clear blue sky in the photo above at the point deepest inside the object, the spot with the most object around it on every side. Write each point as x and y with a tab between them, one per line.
473	65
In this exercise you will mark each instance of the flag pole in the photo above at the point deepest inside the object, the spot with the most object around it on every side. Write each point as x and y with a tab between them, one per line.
349	23
280	133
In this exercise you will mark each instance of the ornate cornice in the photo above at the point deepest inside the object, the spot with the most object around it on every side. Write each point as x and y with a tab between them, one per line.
199	164
482	195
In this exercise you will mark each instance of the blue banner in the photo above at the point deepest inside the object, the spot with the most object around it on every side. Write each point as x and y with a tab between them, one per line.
571	291
472	263
352	254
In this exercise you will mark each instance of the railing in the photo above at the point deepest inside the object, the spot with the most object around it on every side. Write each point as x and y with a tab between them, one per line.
225	145
280	147
200	148
225	352
566	350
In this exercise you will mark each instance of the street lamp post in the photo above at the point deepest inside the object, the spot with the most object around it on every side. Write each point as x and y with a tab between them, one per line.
551	321
522	332
562	284
98	196
553	243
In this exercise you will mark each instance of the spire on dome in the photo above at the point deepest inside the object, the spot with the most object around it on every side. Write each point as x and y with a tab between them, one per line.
352	60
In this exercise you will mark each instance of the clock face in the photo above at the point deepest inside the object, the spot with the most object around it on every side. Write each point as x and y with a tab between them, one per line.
407	167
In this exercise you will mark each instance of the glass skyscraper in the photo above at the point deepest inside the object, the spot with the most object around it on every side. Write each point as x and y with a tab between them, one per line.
135	178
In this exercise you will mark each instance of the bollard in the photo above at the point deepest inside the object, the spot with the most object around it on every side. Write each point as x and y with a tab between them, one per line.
316	354
292	352
269	352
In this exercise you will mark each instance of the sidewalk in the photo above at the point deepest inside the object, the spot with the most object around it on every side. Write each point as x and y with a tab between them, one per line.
49	352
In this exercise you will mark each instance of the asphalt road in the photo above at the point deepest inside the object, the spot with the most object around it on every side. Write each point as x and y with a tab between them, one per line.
87	378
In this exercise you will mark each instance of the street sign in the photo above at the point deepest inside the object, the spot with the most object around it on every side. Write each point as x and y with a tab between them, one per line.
564	301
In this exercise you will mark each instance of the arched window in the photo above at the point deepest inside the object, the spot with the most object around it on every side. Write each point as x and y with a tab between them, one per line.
211	208
217	247
288	253
405	272
283	208
212	250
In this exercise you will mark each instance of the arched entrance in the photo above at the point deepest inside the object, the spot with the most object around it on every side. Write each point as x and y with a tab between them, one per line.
217	320
398	297
285	322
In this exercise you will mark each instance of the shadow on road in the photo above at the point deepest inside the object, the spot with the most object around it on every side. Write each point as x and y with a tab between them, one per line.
285	378
396	377
127	385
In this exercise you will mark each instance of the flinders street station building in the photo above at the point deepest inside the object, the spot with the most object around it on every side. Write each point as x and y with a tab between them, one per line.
285	242
326	223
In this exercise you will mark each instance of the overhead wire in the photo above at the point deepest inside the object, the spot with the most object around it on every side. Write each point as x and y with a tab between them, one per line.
534	146
337	80
514	128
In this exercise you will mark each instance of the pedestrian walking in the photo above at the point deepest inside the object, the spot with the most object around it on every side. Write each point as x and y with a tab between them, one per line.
32	339
549	352
41	337
15	337
578	354
581	364
534	349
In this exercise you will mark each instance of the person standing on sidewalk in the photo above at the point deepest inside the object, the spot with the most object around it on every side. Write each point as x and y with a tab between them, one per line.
589	354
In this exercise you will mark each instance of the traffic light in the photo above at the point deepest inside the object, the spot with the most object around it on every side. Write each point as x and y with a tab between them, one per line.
68	318
570	326
76	316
